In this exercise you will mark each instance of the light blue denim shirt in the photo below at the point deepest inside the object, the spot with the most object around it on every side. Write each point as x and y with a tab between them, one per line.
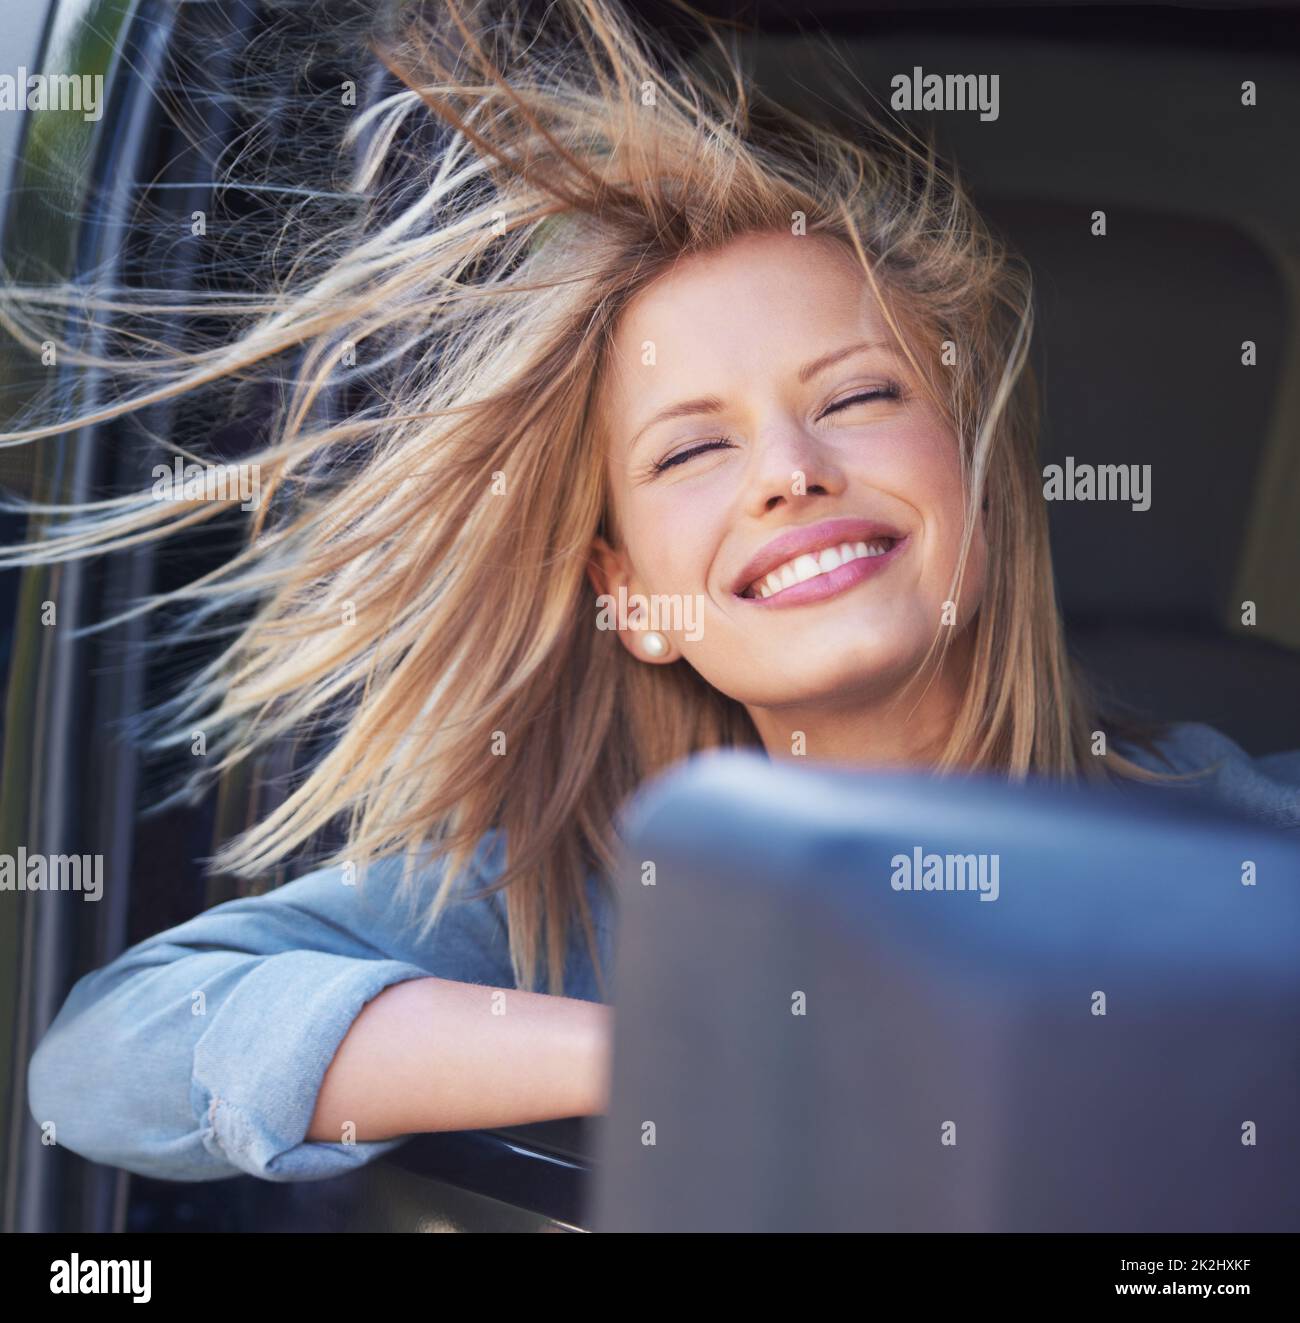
191	1097
133	1077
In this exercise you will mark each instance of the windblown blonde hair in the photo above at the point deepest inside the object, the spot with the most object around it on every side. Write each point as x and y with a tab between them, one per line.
414	580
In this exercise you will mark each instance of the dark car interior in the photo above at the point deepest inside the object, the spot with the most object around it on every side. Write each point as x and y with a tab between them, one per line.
1135	111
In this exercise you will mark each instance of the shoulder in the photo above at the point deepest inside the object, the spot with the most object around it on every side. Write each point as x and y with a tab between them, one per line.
398	899
1266	788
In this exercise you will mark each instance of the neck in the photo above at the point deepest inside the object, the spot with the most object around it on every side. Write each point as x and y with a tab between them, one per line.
877	730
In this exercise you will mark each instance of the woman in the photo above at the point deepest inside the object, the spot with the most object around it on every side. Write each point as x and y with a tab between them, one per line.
635	339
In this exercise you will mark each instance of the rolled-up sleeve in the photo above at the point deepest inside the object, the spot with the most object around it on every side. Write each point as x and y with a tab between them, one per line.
255	1106
199	1053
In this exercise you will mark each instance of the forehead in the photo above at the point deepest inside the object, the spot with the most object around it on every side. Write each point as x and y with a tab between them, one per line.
763	303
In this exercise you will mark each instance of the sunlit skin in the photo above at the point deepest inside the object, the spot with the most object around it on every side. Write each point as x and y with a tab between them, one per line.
738	325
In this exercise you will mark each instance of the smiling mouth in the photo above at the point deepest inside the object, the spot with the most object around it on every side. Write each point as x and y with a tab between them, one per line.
814	564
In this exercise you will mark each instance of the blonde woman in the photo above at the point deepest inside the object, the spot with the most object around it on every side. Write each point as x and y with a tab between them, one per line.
646	340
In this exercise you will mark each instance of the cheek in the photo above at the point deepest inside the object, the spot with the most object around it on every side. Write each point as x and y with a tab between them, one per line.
671	537
920	465
939	486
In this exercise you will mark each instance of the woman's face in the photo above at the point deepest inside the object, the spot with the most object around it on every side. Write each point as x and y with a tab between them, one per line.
777	472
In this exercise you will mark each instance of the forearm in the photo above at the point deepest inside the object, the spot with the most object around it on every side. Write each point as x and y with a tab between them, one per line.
433	1054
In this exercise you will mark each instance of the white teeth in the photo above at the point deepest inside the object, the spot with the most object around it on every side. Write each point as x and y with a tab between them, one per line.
809	566
806	567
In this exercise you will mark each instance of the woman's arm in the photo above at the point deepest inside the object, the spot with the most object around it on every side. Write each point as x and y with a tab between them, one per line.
432	1054
200	1053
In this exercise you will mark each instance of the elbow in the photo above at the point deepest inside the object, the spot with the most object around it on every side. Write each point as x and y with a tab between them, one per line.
57	1097
79	1100
99	1094
71	1073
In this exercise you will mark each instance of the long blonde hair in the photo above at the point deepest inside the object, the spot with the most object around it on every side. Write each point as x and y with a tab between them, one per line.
413	583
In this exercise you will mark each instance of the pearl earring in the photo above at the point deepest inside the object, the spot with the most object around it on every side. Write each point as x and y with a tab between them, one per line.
655	644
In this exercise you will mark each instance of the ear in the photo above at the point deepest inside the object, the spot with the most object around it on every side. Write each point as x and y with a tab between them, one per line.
611	575
606	568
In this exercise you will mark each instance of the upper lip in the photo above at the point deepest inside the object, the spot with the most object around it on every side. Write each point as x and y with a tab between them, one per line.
808	538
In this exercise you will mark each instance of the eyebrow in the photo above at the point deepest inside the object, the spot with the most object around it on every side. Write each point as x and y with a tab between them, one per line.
711	404
810	370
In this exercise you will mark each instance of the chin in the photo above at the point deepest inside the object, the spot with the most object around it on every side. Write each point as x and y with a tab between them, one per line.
850	676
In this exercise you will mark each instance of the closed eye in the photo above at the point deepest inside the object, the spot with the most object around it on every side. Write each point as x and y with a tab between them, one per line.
717	443
890	391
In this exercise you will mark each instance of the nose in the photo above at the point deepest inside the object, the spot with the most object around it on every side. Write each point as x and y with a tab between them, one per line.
791	466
